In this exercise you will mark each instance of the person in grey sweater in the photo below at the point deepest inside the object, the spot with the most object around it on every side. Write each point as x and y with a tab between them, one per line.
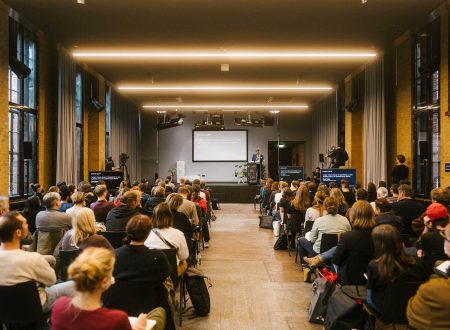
52	219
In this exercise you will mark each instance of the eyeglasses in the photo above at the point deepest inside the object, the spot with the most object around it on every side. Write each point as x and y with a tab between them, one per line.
442	233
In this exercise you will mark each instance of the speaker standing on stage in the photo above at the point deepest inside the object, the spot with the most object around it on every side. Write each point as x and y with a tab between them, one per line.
258	159
109	164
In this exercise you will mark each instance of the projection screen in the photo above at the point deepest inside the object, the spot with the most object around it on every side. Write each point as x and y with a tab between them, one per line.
219	146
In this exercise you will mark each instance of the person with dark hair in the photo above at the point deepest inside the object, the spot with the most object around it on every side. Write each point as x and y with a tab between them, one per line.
37	191
371	192
332	185
408	209
394	193
164	236
198	200
382	184
101	207
86	188
331	223
188	207
118	217
391	264
134	261
64	192
385	214
180	220
30	210
340	156
157	198
348	195
429	308
52	219
312	189
400	170
361	194
20	266
430	245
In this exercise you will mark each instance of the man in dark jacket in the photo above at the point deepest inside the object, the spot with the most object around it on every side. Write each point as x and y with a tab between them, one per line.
407	208
118	217
152	202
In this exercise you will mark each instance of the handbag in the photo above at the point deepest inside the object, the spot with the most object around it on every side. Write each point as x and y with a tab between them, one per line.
322	289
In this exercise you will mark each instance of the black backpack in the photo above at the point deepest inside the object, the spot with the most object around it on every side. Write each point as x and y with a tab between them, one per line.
282	242
198	292
215	204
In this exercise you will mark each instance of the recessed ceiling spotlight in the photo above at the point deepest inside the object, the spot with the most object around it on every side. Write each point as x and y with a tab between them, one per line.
274	111
225	67
363	1
81	2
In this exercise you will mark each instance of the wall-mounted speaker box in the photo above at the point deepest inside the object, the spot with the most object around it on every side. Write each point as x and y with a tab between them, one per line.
27	150
424	150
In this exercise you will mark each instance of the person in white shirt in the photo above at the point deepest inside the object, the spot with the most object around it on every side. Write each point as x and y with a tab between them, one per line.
164	236
18	266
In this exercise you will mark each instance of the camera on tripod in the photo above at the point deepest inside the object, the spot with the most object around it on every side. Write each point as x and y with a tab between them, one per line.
123	159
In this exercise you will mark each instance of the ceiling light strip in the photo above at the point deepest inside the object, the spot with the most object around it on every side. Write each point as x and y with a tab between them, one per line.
234	106
223	88
262	55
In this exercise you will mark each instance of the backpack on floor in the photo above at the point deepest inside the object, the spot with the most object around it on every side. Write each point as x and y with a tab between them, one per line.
281	243
198	291
265	221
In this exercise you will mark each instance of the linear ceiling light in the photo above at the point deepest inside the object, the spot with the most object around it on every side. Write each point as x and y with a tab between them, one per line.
226	106
238	55
224	88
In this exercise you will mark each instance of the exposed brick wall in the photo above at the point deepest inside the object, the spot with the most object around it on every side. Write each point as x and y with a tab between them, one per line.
4	129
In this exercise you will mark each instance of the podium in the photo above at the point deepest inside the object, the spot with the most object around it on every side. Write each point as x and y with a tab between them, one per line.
252	173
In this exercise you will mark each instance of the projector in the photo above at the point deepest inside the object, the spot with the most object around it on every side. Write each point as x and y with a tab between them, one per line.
209	125
249	122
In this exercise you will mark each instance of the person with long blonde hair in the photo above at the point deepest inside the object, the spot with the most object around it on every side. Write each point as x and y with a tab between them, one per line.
83	233
337	194
317	209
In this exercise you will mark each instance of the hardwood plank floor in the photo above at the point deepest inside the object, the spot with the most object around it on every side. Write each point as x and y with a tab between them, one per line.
254	286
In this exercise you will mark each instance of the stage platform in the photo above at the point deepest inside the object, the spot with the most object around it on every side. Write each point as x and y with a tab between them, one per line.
232	192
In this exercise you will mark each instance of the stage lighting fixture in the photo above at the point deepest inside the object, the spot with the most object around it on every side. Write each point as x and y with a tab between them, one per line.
255	122
169	123
212	123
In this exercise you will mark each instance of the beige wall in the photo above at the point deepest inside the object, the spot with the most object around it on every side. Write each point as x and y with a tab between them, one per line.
4	130
445	120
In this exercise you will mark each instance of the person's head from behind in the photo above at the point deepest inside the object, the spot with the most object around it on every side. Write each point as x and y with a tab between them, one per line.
312	187
184	192
382	184
331	205
196	192
174	201
282	185
362	216
405	181
85	187
383	206
159	192
382	192
138	228
333	184
400	159
78	198
361	194
275	186
101	191
436	216
52	200
268	185
345	184
440	195
405	191
162	216
394	190
83	224
53	189
301	201
64	192
288	194
36	188
371	188
92	270
4	205
32	204
336	193
389	252
131	198
13	227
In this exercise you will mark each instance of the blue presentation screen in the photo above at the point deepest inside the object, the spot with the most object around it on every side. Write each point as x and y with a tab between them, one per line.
328	175
289	173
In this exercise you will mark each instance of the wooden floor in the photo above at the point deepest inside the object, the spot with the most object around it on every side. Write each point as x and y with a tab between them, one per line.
254	287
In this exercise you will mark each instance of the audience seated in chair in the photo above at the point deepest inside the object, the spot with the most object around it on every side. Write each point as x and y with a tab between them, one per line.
390	265
30	210
79	203
101	207
385	214
86	188
118	217
188	207
180	220
429	308
317	209
336	193
164	236
52	219
18	266
64	192
92	274
199	201
83	233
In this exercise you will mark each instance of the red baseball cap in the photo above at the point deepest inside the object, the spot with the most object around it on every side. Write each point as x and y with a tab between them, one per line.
436	211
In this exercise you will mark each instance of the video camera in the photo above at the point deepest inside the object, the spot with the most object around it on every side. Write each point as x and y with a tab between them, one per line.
123	159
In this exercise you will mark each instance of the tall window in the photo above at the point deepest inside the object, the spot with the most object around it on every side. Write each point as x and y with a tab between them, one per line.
79	122
427	109
22	95
108	122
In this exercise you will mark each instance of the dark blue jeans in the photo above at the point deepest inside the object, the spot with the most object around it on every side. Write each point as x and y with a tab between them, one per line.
305	249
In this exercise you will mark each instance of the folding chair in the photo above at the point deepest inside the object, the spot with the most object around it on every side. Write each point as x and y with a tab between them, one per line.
294	226
114	237
66	258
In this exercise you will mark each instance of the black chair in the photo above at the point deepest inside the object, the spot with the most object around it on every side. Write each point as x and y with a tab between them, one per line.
308	226
171	255
294	226
114	237
20	306
396	299
66	258
138	297
328	241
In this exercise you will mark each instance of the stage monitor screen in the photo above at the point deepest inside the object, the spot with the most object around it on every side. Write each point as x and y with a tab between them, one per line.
290	173
219	146
111	178
328	175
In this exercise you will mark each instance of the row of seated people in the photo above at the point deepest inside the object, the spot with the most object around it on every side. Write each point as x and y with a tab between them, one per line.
356	228
81	232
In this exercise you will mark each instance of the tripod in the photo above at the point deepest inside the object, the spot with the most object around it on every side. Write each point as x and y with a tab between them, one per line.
126	174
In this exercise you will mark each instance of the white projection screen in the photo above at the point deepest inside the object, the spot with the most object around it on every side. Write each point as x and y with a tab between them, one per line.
219	146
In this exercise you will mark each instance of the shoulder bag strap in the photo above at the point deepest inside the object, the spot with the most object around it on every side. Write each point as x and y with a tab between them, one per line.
162	239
